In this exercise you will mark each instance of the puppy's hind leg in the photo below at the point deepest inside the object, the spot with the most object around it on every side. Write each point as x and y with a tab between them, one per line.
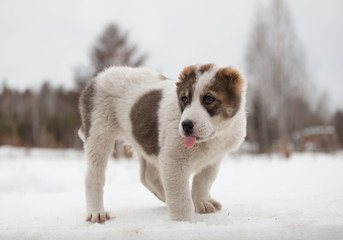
98	147
150	178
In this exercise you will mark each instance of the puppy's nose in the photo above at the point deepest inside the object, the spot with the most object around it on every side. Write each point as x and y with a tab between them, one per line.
188	127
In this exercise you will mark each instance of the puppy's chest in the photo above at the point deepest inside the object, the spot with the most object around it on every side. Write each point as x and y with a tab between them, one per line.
206	154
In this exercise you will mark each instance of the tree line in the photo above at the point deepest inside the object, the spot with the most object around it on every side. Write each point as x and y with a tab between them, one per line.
49	117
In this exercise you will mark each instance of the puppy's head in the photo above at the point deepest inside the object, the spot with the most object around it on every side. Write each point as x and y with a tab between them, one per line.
209	96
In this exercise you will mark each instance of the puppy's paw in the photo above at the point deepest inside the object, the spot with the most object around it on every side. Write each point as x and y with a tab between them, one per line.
185	213
98	216
183	217
207	206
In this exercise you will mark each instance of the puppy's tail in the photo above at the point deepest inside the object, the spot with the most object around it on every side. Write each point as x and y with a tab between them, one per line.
81	135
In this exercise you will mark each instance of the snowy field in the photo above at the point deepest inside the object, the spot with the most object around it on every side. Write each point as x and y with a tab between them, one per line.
42	197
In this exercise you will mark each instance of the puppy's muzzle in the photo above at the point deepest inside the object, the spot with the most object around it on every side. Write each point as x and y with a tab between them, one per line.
188	127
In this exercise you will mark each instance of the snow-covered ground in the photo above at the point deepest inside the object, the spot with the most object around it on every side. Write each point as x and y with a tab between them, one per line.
42	197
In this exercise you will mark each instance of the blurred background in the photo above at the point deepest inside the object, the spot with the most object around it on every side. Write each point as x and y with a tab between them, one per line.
290	51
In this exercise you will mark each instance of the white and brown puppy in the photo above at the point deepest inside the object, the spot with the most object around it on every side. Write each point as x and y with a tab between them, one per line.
175	131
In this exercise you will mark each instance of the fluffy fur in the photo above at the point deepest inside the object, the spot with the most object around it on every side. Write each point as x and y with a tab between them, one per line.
147	111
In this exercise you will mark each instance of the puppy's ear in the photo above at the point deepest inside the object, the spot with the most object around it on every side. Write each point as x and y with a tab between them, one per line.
232	78
187	73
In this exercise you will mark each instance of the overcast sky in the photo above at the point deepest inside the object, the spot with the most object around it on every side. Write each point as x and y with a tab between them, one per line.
46	40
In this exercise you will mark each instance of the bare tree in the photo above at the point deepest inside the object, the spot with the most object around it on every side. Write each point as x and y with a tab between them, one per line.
258	68
279	79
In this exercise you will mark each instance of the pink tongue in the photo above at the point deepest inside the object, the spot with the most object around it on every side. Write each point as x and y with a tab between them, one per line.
190	141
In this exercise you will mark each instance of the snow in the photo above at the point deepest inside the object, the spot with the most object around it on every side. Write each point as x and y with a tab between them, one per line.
263	197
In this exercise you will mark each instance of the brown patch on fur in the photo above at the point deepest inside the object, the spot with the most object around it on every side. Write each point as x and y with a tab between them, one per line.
232	77
144	119
86	107
185	86
227	91
205	68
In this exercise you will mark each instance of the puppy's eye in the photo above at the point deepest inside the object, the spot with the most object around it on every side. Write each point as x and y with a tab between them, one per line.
184	99
208	100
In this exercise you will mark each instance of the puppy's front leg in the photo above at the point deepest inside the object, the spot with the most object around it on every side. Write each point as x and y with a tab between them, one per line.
202	182
175	177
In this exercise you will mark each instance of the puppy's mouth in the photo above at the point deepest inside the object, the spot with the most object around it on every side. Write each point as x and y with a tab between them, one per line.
190	141
193	135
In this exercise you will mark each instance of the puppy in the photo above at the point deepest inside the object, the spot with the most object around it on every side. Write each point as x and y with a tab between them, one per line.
175	131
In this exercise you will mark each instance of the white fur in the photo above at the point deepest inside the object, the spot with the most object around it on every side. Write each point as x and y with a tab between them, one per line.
167	175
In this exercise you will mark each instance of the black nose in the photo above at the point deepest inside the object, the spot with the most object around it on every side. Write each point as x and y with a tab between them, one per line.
188	127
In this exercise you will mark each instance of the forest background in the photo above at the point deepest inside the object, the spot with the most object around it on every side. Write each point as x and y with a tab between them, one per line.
287	112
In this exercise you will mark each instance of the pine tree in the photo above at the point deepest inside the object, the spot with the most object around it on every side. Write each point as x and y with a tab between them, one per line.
111	48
